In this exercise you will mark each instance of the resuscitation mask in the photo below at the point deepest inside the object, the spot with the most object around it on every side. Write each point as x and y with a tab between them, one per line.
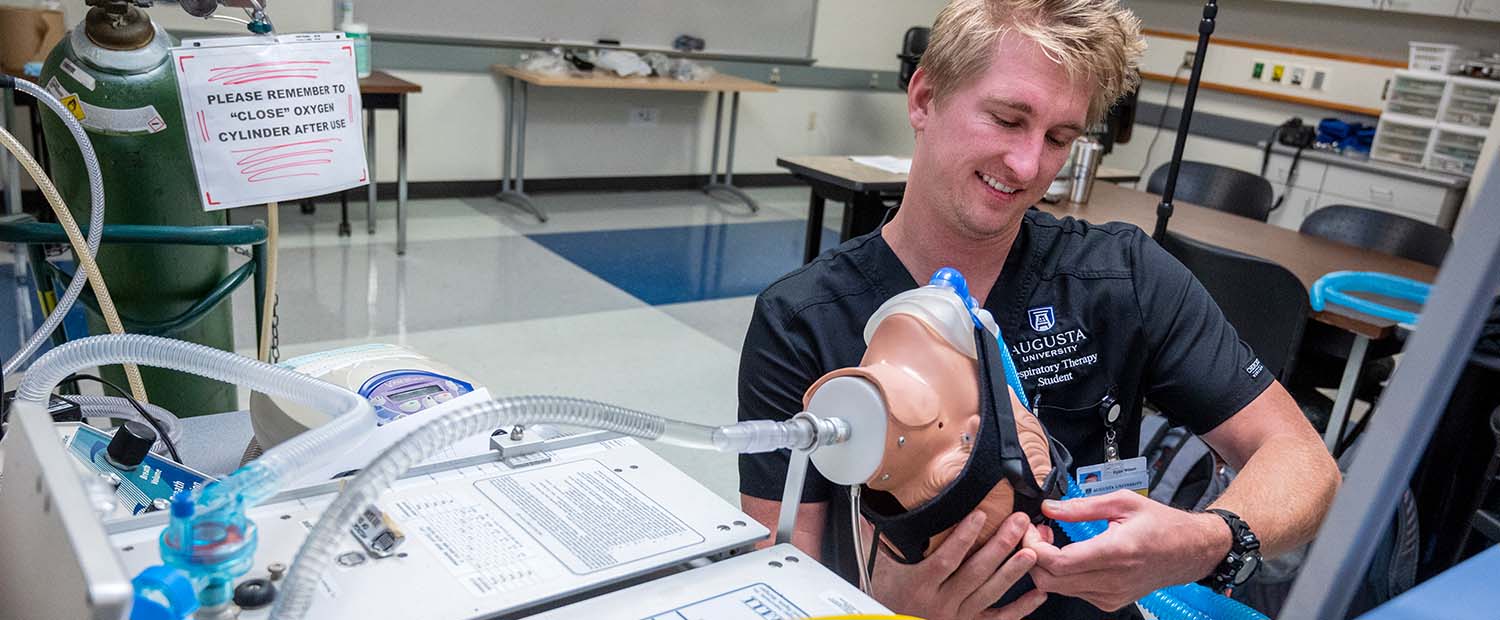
957	437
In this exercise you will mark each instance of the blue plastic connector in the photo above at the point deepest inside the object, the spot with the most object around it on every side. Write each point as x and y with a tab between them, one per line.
163	593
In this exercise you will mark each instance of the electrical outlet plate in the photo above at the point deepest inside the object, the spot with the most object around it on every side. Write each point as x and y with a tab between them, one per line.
1297	77
644	117
1187	59
1319	79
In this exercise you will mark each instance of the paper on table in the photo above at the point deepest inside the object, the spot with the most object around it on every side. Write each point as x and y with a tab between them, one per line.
893	165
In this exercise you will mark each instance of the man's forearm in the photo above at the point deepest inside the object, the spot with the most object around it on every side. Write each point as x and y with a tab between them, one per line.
1284	491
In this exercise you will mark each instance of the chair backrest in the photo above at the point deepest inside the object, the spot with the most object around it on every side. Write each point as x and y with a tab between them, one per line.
1264	302
1218	188
1383	232
913	45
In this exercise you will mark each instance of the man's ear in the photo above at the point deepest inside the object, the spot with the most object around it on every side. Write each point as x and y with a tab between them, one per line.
919	99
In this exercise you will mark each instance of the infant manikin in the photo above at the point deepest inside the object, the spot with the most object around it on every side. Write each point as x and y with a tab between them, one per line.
957	439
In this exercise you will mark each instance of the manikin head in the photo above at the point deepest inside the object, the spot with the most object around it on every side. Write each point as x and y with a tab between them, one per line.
922	359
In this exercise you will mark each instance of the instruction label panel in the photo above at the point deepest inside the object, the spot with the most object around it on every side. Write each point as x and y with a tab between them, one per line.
587	516
271	119
477	546
753	602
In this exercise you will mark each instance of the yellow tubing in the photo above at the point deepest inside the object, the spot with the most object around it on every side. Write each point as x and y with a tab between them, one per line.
80	250
268	305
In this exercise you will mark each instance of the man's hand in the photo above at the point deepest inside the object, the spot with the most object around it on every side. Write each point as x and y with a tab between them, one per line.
946	586
1148	546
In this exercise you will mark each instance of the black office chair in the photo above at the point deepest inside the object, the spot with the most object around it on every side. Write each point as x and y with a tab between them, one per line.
1326	348
913	44
1218	188
1382	232
1264	301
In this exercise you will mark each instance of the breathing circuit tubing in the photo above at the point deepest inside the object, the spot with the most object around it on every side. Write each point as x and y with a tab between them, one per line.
83	248
1180	602
319	548
209	536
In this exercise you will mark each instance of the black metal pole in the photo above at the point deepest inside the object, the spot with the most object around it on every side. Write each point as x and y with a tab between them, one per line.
1205	29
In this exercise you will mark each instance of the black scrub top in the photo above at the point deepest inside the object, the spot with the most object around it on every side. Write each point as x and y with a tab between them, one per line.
1088	312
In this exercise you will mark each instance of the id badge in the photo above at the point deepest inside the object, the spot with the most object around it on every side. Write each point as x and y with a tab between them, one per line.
1129	474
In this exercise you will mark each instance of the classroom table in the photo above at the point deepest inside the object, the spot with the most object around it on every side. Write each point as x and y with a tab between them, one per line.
864	190
1306	256
517	81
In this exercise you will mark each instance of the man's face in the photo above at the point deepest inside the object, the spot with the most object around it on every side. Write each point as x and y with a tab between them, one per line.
990	148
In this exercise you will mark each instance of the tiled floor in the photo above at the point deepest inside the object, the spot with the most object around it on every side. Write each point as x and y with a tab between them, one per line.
639	299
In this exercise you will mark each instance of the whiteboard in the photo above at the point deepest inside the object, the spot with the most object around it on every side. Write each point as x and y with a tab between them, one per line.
762	28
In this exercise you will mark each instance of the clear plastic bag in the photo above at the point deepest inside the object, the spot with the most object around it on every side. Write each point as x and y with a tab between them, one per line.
678	68
624	64
550	62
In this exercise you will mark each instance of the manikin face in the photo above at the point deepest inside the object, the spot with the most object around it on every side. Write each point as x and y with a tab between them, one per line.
931	394
1011	125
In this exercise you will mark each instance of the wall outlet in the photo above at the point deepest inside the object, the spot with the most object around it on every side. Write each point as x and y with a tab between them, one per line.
1258	70
1297	76
644	117
1187	59
1277	73
1319	78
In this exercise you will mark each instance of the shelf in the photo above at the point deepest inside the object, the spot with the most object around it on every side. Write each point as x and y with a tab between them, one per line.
1401	149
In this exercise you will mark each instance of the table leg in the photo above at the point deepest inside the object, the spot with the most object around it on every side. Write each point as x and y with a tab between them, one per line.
401	177
1345	399
863	213
343	216
728	185
814	240
516	194
510	126
370	164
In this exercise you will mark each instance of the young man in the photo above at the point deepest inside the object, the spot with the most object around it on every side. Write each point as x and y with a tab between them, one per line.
1094	314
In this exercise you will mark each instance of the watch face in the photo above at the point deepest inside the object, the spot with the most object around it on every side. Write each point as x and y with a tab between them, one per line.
1247	568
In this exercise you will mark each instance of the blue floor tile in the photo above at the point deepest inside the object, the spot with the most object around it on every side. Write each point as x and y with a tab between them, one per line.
688	263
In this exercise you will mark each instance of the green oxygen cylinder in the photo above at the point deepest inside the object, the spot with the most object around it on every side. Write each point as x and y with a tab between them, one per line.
115	73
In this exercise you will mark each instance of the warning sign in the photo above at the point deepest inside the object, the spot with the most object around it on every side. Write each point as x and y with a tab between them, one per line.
75	106
271	119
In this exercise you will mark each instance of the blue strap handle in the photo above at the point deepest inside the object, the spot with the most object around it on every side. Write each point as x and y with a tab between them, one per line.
1335	287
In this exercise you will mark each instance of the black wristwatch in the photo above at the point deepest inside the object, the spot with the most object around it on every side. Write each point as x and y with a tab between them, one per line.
1243	558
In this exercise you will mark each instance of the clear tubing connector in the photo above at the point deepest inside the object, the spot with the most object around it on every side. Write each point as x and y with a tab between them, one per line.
209	536
95	226
321	545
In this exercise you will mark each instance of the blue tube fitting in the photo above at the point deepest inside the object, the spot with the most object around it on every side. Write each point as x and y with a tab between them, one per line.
162	593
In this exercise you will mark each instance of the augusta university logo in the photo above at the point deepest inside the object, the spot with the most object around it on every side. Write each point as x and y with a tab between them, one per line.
1042	319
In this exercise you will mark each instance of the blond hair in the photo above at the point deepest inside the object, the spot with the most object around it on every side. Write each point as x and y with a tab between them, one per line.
1094	40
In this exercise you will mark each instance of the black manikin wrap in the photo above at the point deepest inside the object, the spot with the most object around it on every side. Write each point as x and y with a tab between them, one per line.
996	456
